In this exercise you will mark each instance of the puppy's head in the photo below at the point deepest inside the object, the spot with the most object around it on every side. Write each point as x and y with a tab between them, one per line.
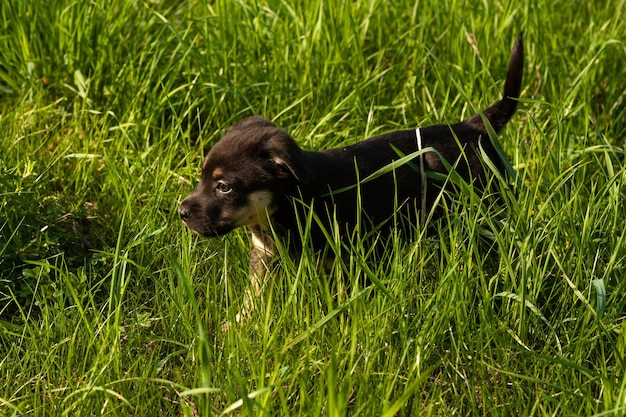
243	177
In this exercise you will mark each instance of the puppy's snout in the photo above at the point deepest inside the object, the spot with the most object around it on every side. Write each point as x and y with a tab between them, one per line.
184	210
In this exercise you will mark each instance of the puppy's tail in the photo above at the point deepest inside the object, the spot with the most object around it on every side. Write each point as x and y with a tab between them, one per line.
500	113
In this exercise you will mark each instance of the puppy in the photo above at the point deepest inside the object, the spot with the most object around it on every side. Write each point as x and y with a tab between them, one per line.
253	175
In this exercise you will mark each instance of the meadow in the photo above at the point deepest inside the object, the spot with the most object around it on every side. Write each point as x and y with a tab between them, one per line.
109	306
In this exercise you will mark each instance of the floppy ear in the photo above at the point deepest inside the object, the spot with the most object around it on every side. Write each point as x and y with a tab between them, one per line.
285	154
252	122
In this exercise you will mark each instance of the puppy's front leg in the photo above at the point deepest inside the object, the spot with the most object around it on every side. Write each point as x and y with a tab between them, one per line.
263	250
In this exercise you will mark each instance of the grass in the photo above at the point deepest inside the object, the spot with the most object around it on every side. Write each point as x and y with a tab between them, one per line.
108	306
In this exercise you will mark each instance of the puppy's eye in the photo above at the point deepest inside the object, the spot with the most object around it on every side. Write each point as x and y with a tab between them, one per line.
222	187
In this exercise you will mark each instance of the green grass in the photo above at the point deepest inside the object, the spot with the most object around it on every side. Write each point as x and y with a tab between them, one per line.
108	306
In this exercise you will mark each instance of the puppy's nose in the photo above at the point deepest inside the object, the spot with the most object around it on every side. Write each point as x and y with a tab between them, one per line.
184	211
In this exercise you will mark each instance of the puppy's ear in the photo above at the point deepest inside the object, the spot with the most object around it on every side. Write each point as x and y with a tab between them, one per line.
253	122
287	157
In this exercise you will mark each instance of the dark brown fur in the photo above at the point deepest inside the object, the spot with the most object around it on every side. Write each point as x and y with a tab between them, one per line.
253	174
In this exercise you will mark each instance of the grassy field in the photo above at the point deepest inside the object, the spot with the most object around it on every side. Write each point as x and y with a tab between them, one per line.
108	306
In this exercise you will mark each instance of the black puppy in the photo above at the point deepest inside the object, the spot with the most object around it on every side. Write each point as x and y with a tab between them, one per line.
253	174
